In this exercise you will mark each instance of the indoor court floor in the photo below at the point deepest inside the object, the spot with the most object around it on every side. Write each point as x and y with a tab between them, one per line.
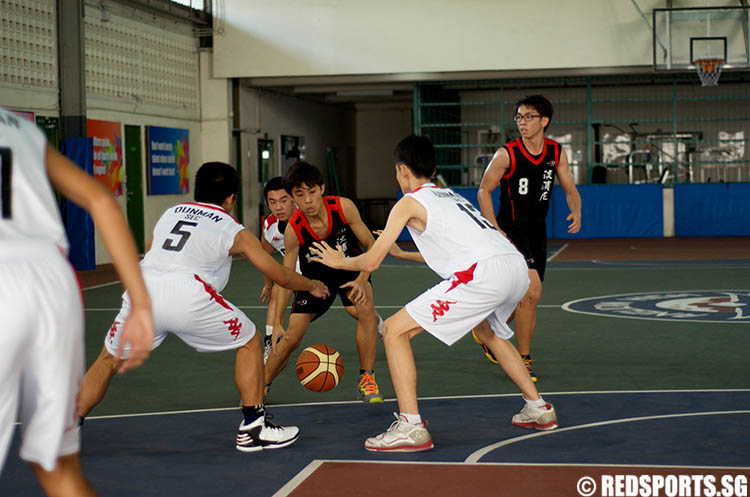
642	345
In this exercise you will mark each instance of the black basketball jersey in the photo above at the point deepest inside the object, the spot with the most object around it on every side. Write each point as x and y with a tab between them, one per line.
339	233
526	187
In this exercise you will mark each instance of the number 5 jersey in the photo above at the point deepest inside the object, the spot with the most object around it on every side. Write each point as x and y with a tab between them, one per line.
194	238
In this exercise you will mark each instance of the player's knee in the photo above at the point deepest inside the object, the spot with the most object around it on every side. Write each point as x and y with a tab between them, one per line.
107	360
533	295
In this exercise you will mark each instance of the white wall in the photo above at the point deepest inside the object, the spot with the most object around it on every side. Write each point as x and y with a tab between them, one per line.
332	37
320	124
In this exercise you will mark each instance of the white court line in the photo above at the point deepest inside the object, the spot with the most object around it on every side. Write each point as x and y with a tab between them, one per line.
557	252
299	478
454	397
94	287
477	455
111	309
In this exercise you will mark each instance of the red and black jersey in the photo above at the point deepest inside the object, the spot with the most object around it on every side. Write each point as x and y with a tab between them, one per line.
526	187
339	233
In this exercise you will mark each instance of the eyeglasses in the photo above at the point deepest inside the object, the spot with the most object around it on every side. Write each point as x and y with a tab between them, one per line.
527	118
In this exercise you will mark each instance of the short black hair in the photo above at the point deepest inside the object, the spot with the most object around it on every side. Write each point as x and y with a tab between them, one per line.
416	153
215	181
539	103
300	173
273	184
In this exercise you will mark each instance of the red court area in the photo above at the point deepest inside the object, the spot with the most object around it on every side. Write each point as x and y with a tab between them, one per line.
371	479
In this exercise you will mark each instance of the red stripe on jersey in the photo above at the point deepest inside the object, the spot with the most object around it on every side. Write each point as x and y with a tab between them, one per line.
213	293
528	155
557	150
426	185
214	207
334	203
299	221
512	169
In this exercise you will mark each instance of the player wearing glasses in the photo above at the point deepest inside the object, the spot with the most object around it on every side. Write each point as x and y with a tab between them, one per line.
525	169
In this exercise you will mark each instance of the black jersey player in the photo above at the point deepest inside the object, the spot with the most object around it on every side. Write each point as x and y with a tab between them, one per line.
524	170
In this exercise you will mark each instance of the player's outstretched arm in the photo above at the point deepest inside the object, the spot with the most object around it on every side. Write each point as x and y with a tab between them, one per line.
572	197
82	189
405	209
400	253
490	180
265	294
247	245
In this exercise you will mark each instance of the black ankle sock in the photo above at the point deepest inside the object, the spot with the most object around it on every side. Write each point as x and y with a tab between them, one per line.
81	419
252	413
363	371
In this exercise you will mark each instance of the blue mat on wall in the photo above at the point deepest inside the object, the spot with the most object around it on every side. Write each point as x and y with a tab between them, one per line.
78	224
719	209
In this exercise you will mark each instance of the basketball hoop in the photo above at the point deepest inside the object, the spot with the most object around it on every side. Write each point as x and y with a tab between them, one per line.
709	71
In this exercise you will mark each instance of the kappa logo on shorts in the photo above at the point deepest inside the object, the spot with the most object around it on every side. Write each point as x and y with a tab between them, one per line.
707	306
441	308
113	331
234	327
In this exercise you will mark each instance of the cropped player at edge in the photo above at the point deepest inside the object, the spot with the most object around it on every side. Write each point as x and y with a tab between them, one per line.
41	306
187	264
484	278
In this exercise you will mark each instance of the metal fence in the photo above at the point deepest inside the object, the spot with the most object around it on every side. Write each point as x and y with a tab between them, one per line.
651	128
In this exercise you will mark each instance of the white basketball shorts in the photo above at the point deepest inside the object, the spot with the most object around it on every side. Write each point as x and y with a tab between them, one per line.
189	308
488	289
41	352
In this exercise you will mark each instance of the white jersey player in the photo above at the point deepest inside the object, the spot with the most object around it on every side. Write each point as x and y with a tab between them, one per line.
186	267
41	307
282	207
484	279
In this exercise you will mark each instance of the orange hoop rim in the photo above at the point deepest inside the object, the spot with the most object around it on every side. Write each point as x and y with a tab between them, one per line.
708	65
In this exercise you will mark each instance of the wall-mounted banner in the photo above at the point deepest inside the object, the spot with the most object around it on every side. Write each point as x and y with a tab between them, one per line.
107	138
168	152
29	116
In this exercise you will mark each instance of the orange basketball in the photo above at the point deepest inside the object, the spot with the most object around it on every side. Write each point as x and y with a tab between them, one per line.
319	368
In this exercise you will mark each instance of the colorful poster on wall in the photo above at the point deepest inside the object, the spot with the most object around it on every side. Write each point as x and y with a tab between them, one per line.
168	159
29	116
107	137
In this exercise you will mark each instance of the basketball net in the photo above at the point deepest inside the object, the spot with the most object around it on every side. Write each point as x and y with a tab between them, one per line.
709	71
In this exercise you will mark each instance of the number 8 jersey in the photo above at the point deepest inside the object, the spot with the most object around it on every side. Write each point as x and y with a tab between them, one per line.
194	238
456	234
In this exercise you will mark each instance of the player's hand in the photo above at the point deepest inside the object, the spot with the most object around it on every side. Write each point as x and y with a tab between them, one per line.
320	289
324	254
358	292
575	224
265	294
138	331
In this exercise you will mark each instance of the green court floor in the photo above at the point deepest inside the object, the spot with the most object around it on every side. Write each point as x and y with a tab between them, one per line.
573	352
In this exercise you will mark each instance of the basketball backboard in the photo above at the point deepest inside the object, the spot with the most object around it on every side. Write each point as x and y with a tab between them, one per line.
682	35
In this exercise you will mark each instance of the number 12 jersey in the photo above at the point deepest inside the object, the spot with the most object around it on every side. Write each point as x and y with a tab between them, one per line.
456	234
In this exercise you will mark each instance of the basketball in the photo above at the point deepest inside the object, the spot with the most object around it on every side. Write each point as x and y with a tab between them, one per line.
319	368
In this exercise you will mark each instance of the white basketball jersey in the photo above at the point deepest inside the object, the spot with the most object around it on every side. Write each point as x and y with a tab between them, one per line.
194	238
456	234
273	234
28	209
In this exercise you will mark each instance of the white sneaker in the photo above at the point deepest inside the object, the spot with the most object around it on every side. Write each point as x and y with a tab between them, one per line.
261	434
401	436
533	417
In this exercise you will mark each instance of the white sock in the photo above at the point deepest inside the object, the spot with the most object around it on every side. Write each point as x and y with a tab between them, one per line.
269	330
414	419
536	403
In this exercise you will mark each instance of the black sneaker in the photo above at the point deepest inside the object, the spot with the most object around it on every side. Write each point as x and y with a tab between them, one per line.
262	434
